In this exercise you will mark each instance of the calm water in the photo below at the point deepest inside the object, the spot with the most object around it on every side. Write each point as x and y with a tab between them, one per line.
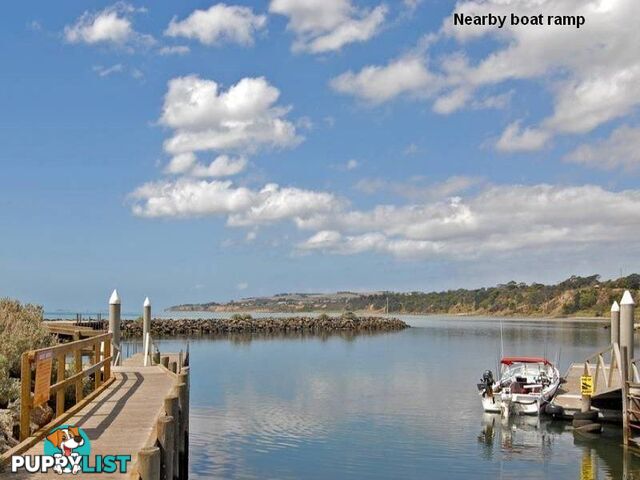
397	405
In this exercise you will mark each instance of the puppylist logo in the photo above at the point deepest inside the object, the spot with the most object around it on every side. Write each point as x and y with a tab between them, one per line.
67	450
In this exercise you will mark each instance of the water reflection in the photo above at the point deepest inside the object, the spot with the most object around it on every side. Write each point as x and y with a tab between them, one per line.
602	458
241	338
391	405
535	440
524	437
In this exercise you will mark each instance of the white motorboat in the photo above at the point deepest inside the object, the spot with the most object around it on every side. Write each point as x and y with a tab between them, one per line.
526	384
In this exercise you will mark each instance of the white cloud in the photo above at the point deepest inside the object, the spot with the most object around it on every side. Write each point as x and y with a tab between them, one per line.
514	139
348	166
137	74
328	25
190	198
352	164
498	102
106	71
451	101
219	24
174	50
376	84
243	207
417	188
593	72
620	150
411	4
411	149
181	163
34	25
222	166
276	204
492	220
304	123
499	219
243	118
113	25
242	286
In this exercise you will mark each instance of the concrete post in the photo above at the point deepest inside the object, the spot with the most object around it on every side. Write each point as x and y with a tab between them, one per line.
624	371
615	323
627	307
146	331
114	321
149	463
146	318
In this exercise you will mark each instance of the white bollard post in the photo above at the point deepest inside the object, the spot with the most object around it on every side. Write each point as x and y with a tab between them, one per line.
147	348
114	323
627	307
146	329
615	323
146	318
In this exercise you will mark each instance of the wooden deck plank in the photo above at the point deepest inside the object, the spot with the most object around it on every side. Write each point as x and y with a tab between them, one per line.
121	419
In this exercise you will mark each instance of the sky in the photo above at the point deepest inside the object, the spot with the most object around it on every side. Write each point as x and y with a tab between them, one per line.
199	151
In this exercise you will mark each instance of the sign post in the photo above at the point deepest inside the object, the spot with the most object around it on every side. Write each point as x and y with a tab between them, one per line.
586	385
586	389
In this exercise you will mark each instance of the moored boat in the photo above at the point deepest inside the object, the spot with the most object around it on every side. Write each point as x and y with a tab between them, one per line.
525	386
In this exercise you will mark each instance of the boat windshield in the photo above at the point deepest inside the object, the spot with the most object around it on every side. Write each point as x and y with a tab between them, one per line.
524	369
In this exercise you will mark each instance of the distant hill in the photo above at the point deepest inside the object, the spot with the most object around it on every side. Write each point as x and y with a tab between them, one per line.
576	296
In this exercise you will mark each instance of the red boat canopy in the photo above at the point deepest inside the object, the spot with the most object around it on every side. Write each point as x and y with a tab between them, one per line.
512	360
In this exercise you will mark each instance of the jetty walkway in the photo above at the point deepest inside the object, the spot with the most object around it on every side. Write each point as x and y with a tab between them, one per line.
609	380
137	411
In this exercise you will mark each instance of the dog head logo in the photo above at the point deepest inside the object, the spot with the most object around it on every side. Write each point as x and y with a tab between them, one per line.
68	444
66	439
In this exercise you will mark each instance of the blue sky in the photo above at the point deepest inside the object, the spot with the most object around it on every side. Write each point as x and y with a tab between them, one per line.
195	151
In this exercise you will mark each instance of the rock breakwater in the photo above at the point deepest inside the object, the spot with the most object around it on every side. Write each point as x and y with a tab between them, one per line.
246	324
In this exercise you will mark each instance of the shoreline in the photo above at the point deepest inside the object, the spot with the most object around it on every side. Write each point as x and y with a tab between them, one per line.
366	313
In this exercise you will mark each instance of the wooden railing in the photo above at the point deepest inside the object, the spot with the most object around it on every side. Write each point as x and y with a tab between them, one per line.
97	349
606	369
634	374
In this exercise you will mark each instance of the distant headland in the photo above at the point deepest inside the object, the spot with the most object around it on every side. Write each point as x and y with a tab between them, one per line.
576	296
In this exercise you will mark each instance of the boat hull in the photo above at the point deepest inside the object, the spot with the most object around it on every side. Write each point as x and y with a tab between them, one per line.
491	403
523	404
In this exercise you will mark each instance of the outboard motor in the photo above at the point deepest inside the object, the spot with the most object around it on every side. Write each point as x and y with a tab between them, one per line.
486	383
487	378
